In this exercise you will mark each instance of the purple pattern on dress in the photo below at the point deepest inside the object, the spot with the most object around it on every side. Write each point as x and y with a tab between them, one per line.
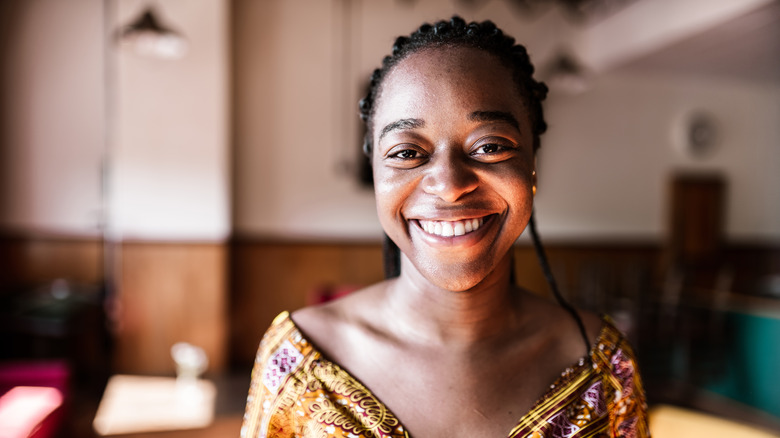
561	427
623	370
281	363
594	398
627	429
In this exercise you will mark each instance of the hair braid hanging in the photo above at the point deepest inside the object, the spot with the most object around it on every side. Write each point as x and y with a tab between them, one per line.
545	264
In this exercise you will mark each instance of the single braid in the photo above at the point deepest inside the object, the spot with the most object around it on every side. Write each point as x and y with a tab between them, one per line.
456	32
545	264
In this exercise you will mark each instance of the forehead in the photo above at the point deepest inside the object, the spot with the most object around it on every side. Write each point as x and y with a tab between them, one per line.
451	78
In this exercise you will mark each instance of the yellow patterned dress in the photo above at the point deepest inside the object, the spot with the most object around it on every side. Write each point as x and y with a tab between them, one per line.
296	392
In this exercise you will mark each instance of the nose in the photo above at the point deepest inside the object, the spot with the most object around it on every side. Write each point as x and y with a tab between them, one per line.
449	177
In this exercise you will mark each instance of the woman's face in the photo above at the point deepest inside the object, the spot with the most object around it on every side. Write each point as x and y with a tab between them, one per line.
453	163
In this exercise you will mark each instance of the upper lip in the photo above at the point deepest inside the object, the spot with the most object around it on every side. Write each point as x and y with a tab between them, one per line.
449	214
459	219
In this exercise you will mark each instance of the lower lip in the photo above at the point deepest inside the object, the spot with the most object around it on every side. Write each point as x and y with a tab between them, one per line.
459	241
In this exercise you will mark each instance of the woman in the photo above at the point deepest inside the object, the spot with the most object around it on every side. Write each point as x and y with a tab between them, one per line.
448	346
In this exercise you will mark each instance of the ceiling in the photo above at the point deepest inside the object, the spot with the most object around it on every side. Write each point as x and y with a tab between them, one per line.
745	48
580	11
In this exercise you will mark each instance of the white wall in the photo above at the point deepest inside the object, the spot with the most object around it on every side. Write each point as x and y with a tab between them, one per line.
605	160
169	138
170	163
287	130
51	119
300	65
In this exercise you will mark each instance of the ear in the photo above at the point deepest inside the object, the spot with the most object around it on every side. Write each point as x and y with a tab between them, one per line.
367	147
533	177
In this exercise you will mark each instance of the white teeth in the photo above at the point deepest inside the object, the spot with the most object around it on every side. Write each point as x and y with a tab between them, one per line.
459	228
454	228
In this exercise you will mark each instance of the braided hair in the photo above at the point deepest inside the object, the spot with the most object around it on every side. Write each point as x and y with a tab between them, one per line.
457	33
485	36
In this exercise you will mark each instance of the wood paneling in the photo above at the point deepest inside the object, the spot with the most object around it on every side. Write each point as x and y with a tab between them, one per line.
29	261
590	274
170	292
167	292
50	302
269	277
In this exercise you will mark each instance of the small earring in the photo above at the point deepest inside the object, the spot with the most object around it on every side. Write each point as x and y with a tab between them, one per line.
533	188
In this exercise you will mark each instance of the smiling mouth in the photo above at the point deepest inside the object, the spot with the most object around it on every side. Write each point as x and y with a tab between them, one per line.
451	228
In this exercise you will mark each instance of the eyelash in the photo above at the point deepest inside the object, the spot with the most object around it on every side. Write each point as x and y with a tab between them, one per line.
397	155
497	147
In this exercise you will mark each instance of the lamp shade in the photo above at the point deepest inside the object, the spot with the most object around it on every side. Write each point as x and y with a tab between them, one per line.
147	37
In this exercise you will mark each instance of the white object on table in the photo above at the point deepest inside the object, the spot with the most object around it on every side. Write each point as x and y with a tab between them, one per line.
133	404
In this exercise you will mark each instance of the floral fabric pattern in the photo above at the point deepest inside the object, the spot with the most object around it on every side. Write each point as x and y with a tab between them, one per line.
296	392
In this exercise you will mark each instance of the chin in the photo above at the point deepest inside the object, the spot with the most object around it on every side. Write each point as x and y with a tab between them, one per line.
457	285
455	278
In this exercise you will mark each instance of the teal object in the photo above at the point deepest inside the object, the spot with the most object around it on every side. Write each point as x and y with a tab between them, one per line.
753	362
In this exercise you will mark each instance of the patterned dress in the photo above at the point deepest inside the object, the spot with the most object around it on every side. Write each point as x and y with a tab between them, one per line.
296	392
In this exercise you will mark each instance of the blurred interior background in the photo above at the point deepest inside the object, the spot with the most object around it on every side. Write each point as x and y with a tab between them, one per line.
191	187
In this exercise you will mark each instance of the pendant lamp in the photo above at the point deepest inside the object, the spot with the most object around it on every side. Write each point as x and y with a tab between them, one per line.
147	37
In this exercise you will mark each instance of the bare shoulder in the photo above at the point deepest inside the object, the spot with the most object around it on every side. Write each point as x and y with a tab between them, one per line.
329	325
554	319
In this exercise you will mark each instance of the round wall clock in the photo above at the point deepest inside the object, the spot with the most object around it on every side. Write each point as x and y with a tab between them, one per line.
700	135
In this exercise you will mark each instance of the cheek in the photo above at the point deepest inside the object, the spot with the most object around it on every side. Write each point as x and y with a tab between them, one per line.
517	191
390	193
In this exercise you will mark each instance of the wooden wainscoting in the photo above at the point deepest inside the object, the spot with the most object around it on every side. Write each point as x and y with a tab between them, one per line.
30	260
50	301
222	297
269	276
168	293
593	275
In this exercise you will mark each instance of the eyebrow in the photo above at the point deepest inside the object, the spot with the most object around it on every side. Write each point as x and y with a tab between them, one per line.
402	124
494	116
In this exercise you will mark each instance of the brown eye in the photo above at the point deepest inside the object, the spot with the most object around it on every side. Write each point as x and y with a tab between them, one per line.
406	154
493	151
489	148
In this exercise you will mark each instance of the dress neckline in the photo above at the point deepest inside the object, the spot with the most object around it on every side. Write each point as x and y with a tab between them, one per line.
569	373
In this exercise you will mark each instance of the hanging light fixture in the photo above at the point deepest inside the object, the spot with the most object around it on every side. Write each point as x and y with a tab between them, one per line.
147	37
564	73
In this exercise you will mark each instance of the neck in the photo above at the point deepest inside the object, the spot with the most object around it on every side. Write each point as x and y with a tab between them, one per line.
430	314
